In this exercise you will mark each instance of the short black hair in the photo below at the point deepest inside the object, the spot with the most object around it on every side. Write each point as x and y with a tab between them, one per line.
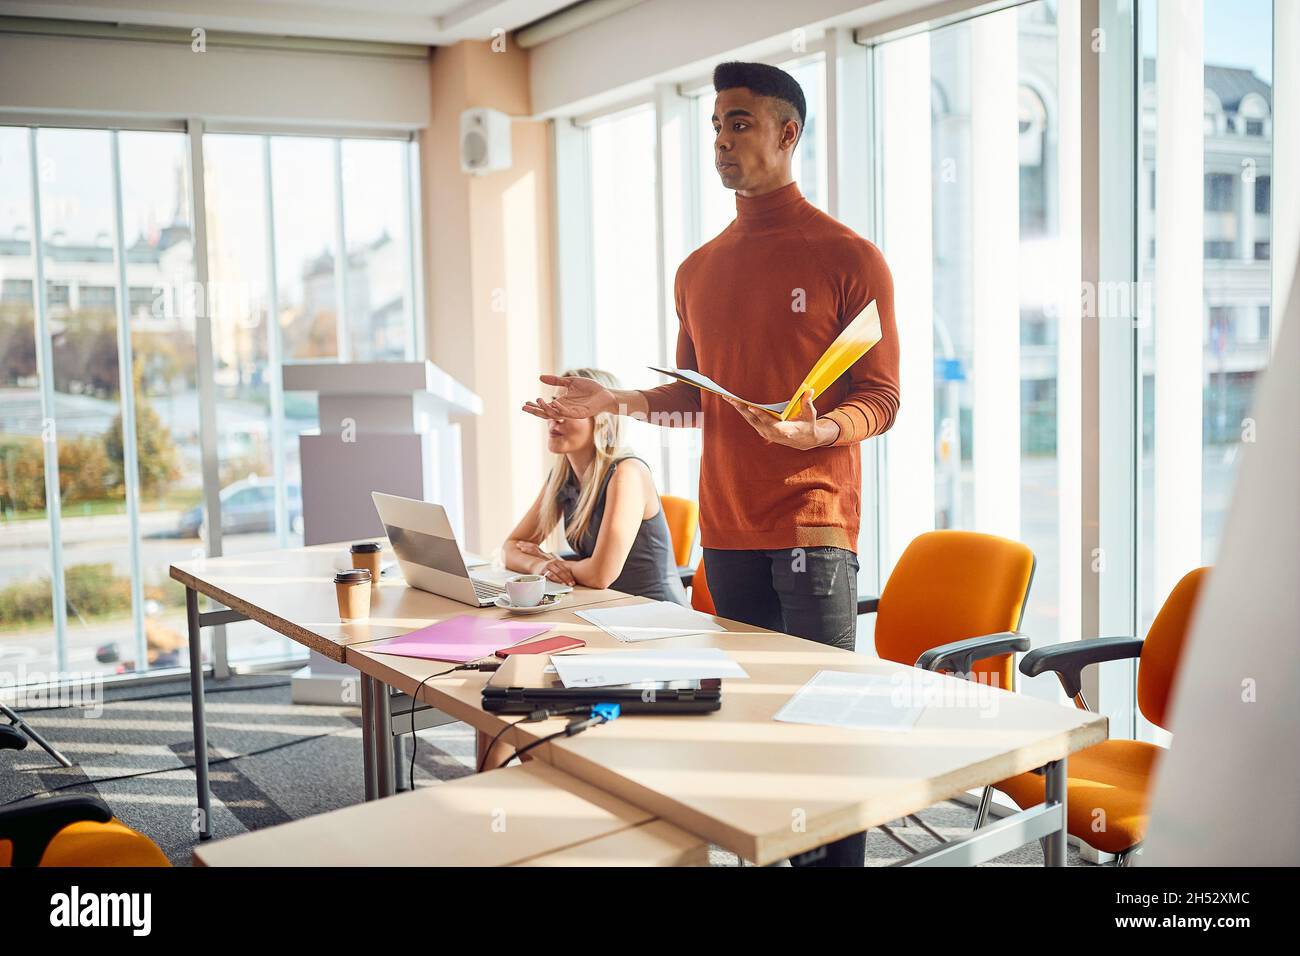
762	80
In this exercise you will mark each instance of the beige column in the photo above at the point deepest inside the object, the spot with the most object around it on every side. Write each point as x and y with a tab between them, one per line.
487	244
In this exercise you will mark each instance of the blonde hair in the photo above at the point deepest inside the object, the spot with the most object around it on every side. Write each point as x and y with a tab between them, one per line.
607	435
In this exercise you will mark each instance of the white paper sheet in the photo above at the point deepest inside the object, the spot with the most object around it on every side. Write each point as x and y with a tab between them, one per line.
636	667
632	623
855	701
703	381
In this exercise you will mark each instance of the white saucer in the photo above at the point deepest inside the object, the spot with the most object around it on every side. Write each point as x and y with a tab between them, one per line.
503	602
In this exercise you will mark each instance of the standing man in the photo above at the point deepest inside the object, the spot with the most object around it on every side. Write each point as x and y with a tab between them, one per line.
779	501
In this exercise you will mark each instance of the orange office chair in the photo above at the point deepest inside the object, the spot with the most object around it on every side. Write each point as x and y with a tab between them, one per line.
701	599
1109	783
954	603
683	517
71	831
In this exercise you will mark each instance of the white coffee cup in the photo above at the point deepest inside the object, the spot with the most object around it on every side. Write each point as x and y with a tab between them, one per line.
526	590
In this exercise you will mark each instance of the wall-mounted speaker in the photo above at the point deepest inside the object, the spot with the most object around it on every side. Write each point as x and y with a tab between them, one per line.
484	141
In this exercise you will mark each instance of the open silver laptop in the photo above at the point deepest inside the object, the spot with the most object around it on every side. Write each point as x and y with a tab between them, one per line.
430	558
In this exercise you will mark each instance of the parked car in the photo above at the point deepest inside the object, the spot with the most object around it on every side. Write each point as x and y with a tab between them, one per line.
247	507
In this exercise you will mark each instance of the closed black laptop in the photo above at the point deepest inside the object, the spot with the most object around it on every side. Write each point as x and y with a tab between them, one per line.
524	683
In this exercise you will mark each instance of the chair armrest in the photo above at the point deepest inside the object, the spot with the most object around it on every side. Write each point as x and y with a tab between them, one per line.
867	604
686	574
1070	658
11	738
960	656
30	826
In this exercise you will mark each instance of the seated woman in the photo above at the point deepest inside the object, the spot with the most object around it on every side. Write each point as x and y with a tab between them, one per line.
612	515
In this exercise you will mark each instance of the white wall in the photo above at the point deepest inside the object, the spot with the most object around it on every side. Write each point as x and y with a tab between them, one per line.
140	78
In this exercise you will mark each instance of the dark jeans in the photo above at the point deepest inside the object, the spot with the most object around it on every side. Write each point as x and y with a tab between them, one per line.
808	592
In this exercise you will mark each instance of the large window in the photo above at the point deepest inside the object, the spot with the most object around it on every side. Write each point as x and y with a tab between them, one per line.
625	272
1204	337
974	244
1083	272
99	395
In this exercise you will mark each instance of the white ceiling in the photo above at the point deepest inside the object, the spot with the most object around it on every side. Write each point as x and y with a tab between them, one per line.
433	22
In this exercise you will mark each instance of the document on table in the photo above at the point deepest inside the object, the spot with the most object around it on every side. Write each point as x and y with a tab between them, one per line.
637	667
855	701
648	622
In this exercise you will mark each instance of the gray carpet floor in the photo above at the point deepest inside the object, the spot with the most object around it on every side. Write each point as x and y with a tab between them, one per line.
288	761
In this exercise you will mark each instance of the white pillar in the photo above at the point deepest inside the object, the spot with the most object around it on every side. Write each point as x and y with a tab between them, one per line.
995	256
1245	216
1179	292
908	245
1069	348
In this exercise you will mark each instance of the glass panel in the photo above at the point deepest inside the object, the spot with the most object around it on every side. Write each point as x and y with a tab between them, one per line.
624	271
27	638
809	165
76	196
1198	376
302	174
374	218
990	86
160	275
238	263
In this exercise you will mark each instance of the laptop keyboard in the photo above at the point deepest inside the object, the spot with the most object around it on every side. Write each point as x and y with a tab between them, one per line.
487	591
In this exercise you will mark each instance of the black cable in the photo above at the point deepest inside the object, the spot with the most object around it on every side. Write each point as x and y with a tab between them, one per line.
415	739
544	713
487	750
415	699
574	728
283	745
536	743
177	693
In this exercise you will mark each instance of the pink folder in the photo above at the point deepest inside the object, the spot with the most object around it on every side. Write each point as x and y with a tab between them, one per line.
459	639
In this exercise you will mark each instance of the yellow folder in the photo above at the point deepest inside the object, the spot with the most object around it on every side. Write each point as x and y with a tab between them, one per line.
851	344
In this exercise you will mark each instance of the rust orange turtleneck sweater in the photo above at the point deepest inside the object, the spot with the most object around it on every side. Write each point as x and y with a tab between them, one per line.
758	305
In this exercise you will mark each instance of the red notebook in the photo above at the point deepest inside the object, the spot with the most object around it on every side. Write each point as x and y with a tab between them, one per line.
460	639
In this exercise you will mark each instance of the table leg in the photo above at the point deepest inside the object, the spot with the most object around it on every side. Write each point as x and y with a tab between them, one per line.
400	763
1055	786
385	778
368	735
200	719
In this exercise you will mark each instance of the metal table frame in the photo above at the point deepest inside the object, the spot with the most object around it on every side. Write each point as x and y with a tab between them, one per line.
1046	823
381	763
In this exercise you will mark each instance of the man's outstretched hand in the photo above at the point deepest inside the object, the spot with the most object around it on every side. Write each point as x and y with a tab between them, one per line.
579	398
805	432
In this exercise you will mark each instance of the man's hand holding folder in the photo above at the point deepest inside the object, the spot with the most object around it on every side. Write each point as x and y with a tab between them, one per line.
795	423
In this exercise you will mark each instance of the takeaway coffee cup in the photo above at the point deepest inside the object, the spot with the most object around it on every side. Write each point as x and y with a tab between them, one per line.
353	590
526	590
367	554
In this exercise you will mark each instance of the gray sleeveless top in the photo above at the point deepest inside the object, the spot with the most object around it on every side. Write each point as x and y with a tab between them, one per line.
650	569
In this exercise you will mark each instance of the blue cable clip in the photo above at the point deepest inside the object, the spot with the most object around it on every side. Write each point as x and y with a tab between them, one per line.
607	711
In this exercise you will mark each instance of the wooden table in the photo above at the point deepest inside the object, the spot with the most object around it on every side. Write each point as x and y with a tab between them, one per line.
766	789
761	788
531	815
291	591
